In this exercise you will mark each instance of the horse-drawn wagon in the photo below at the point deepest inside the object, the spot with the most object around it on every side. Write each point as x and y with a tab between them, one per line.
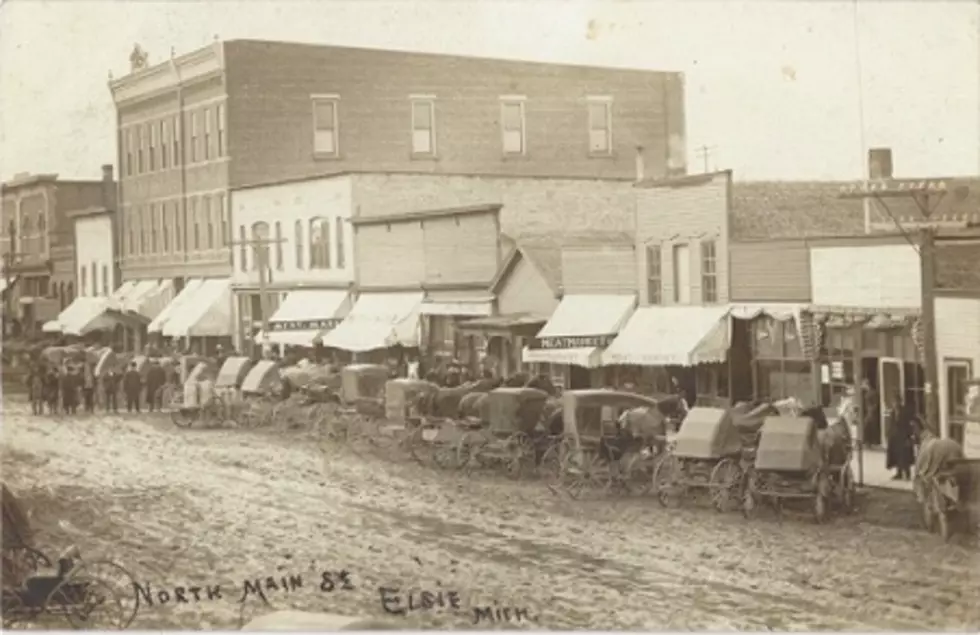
511	436
947	486
610	439
260	393
201	402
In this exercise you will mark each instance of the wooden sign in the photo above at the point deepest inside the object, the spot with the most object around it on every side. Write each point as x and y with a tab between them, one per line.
305	325
580	341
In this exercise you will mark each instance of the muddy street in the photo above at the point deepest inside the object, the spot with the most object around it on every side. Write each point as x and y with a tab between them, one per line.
207	508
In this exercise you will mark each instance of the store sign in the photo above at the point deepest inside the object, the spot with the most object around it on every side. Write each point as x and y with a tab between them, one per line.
304	325
562	343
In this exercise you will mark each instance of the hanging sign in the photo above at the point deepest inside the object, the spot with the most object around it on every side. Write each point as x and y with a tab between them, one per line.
304	325
579	341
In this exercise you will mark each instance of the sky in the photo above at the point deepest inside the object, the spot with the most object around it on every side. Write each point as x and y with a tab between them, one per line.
772	87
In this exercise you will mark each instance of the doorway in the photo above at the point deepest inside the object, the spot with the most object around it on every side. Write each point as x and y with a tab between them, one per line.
891	383
579	378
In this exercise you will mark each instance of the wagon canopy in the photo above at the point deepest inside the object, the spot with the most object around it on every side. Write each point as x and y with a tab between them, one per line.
261	378
591	413
788	444
401	392
707	433
515	409
363	381
233	372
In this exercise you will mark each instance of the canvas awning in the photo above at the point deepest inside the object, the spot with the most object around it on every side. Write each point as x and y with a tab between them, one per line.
781	311
457	303
207	313
149	298
84	315
124	290
672	335
306	314
186	294
579	329
378	320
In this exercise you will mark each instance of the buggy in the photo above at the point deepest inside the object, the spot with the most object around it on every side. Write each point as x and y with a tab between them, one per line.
362	395
513	436
610	439
403	416
260	390
945	485
201	402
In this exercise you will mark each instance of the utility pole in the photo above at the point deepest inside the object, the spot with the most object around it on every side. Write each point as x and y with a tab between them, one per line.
927	195
260	252
704	152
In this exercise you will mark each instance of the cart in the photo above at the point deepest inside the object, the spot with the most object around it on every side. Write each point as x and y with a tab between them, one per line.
946	483
260	390
403	416
513	437
362	395
706	457
610	441
790	465
201	402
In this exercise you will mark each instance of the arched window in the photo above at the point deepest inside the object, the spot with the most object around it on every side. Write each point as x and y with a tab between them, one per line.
279	264
299	244
260	232
319	243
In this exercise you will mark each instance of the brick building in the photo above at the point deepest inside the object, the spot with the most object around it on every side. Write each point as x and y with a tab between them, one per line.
37	243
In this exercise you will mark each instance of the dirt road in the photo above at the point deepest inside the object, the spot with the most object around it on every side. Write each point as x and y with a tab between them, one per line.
199	508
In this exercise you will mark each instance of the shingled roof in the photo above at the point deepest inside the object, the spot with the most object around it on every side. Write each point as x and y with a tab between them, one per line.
805	209
957	266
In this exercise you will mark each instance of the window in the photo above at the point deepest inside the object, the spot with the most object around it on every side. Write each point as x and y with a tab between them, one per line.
209	219
95	278
260	234
600	126
512	124
423	126
958	372
838	355
223	220
154	220
298	230
341	255
654	275
780	366
195	226
128	140
195	152
208	116
325	126
178	228
152	154
83	280
243	247
139	149
682	274
105	280
319	243
220	116
145	225
176	145
709	272
131	231
165	134
165	227
279	263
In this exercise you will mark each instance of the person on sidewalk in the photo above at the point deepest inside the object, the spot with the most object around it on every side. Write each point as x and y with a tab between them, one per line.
901	439
155	378
35	384
132	385
71	384
88	389
110	389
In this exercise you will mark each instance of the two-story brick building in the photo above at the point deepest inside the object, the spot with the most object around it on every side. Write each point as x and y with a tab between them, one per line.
37	243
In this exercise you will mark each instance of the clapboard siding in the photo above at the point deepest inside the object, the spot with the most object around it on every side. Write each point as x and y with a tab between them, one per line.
460	250
877	276
957	338
390	255
525	290
688	214
599	269
770	272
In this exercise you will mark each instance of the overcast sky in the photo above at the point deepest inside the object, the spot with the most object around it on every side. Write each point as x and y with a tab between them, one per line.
771	86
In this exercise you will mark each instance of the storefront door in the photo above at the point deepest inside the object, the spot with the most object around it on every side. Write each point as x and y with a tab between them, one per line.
891	382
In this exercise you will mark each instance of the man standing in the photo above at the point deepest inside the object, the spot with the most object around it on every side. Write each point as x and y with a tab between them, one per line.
155	378
88	388
70	385
132	384
110	388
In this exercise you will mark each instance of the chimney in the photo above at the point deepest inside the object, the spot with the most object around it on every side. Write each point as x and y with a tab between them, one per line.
639	163
879	163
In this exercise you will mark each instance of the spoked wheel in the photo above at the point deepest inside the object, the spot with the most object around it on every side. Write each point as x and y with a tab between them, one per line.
750	503
942	514
419	448
184	417
13	609
848	492
584	471
452	456
667	481
636	473
725	485
549	466
96	595
819	507
522	458
20	563
469	449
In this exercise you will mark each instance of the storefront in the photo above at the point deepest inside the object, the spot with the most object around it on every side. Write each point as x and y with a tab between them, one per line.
199	316
87	315
768	359
570	346
377	323
443	313
498	341
688	343
305	315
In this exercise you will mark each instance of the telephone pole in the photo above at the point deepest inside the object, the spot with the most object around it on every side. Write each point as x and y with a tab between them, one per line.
704	152
260	252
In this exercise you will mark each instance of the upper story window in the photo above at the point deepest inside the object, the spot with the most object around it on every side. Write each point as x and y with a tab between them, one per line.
242	248
165	134
105	280
131	232
154	222
600	125
709	272
512	123
220	117
95	278
139	149
279	263
195	150
325	125
178	130
128	140
83	280
682	274
260	246
298	230
209	219
145	228
319	243
423	125
223	220
654	275
341	255
208	124
165	227
195	226
179	239
153	141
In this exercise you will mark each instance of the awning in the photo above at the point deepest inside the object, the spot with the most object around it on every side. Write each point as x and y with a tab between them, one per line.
579	329
457	303
207	313
502	322
149	298
305	314
779	311
84	315
186	294
672	335
124	290
378	320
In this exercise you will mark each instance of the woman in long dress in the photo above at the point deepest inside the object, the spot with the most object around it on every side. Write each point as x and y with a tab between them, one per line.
901	440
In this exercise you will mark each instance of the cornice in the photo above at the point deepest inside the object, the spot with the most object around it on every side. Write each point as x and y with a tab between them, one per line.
179	71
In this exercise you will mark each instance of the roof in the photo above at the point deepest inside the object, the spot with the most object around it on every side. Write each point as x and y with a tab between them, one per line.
804	209
957	266
493	208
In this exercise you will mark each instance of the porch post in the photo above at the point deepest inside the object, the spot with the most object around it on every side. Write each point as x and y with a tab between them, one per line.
859	398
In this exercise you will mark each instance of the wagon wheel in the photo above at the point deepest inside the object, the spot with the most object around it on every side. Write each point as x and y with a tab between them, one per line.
96	595
13	610
725	485
819	507
449	455
583	471
522	458
175	398
416	445
184	417
19	563
848	490
942	514
550	463
667	481
469	450
637	474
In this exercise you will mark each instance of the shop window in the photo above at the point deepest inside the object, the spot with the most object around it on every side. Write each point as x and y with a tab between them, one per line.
279	263
780	366
709	272
837	374
957	375
298	230
319	243
654	275
341	252
712	379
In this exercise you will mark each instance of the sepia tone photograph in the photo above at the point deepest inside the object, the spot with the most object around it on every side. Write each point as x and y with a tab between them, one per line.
490	315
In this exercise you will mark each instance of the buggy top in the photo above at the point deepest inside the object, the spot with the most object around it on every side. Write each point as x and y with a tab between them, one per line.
789	444
708	434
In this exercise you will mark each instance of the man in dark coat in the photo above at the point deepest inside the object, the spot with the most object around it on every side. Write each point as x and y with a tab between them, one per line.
155	378
901	439
88	388
110	388
35	386
52	387
132	384
71	384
